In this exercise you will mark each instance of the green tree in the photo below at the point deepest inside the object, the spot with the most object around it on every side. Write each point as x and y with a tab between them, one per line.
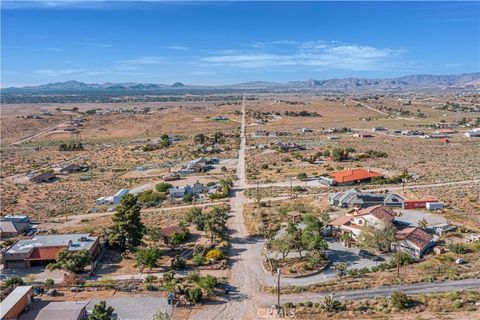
378	238
71	261
339	154
127	229
282	244
163	186
326	153
147	256
14	281
296	238
101	312
49	283
215	223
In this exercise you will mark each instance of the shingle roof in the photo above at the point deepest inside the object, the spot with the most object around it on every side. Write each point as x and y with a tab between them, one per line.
340	221
380	212
354	175
414	235
62	310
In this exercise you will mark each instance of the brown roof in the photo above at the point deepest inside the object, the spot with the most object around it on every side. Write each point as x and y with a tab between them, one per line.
354	175
46	253
380	212
340	221
167	232
294	214
414	235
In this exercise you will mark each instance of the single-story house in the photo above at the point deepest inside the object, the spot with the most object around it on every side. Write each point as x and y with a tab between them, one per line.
12	226
356	198
65	310
363	135
357	219
351	176
472	134
409	238
73	168
412	240
43	178
180	192
115	199
40	250
18	300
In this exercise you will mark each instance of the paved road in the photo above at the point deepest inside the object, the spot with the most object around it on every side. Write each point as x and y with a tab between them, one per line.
416	288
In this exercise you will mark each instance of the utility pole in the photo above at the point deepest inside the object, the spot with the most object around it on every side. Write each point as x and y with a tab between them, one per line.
278	290
291	188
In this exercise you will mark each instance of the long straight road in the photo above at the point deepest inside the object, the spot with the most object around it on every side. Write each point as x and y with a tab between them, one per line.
248	278
244	255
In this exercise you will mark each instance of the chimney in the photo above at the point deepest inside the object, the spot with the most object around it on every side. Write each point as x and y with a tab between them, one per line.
355	210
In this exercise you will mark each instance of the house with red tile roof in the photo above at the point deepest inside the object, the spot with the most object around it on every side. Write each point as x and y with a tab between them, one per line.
410	239
350	176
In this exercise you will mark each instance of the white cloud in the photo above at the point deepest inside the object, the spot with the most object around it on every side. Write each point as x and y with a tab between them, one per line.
148	60
180	48
59	72
320	54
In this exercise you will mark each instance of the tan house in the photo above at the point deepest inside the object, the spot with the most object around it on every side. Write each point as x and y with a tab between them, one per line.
411	239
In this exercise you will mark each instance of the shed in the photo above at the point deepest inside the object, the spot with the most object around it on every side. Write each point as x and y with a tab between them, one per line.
14	304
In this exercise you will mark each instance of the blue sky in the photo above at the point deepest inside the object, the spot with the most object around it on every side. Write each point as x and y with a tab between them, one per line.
231	42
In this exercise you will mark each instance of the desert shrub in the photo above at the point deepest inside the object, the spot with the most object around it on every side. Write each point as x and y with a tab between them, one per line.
197	260
302	176
458	248
214	254
177	238
194	295
208	283
193	276
14	281
399	300
49	283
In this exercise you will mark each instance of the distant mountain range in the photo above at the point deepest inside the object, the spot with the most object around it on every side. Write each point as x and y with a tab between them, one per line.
411	82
